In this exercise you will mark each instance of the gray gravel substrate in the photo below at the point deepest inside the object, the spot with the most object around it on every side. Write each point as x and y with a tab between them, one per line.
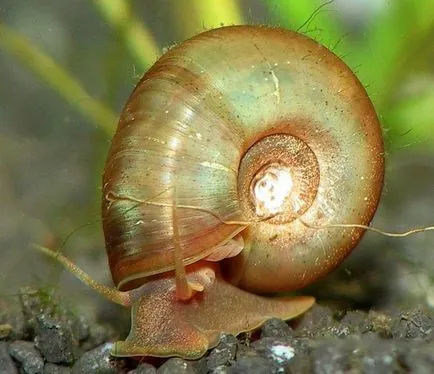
45	338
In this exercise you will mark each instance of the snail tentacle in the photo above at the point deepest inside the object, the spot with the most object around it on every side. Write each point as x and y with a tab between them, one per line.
110	293
185	289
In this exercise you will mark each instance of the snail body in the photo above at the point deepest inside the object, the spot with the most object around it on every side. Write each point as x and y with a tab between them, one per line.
231	151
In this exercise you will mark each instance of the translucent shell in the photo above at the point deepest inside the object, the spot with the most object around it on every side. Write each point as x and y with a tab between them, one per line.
215	116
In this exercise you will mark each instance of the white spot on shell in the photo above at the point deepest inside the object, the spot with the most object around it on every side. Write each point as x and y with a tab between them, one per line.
215	165
152	139
276	83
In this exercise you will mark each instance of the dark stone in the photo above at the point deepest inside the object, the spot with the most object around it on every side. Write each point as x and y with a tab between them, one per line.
302	363
378	355
7	365
223	369
176	366
50	368
54	339
415	324
316	321
28	356
279	351
418	360
33	303
19	325
80	328
200	365
144	368
252	365
367	353
331	356
224	353
97	360
98	334
356	321
276	328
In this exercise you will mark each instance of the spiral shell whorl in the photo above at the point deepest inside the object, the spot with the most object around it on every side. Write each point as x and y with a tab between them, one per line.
198	118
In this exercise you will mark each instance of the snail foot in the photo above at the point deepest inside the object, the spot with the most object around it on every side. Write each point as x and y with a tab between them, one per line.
164	326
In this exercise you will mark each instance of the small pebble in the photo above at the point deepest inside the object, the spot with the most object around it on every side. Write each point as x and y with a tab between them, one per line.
98	334
34	301
96	360
249	365
278	351
80	327
7	365
224	353
50	368
418	360
176	366
414	324
379	355
144	368
276	328
28	356
54	340
331	356
302	364
356	321
223	369
315	321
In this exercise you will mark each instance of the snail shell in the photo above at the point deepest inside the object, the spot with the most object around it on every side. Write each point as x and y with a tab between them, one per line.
253	124
237	160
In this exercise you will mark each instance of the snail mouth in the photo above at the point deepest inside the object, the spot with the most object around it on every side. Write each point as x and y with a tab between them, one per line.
278	179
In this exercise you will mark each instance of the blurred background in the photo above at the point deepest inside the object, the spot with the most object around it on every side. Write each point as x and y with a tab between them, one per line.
67	68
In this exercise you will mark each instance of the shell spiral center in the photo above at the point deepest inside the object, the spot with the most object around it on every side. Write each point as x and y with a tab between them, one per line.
278	179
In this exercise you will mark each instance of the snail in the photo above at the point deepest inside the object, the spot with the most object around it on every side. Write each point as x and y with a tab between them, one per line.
234	156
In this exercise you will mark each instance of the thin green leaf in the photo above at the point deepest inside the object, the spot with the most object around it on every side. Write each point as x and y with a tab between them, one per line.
194	16
135	35
58	79
390	45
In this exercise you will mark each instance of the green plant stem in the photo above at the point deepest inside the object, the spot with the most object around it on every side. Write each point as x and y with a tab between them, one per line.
194	16
136	37
58	79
